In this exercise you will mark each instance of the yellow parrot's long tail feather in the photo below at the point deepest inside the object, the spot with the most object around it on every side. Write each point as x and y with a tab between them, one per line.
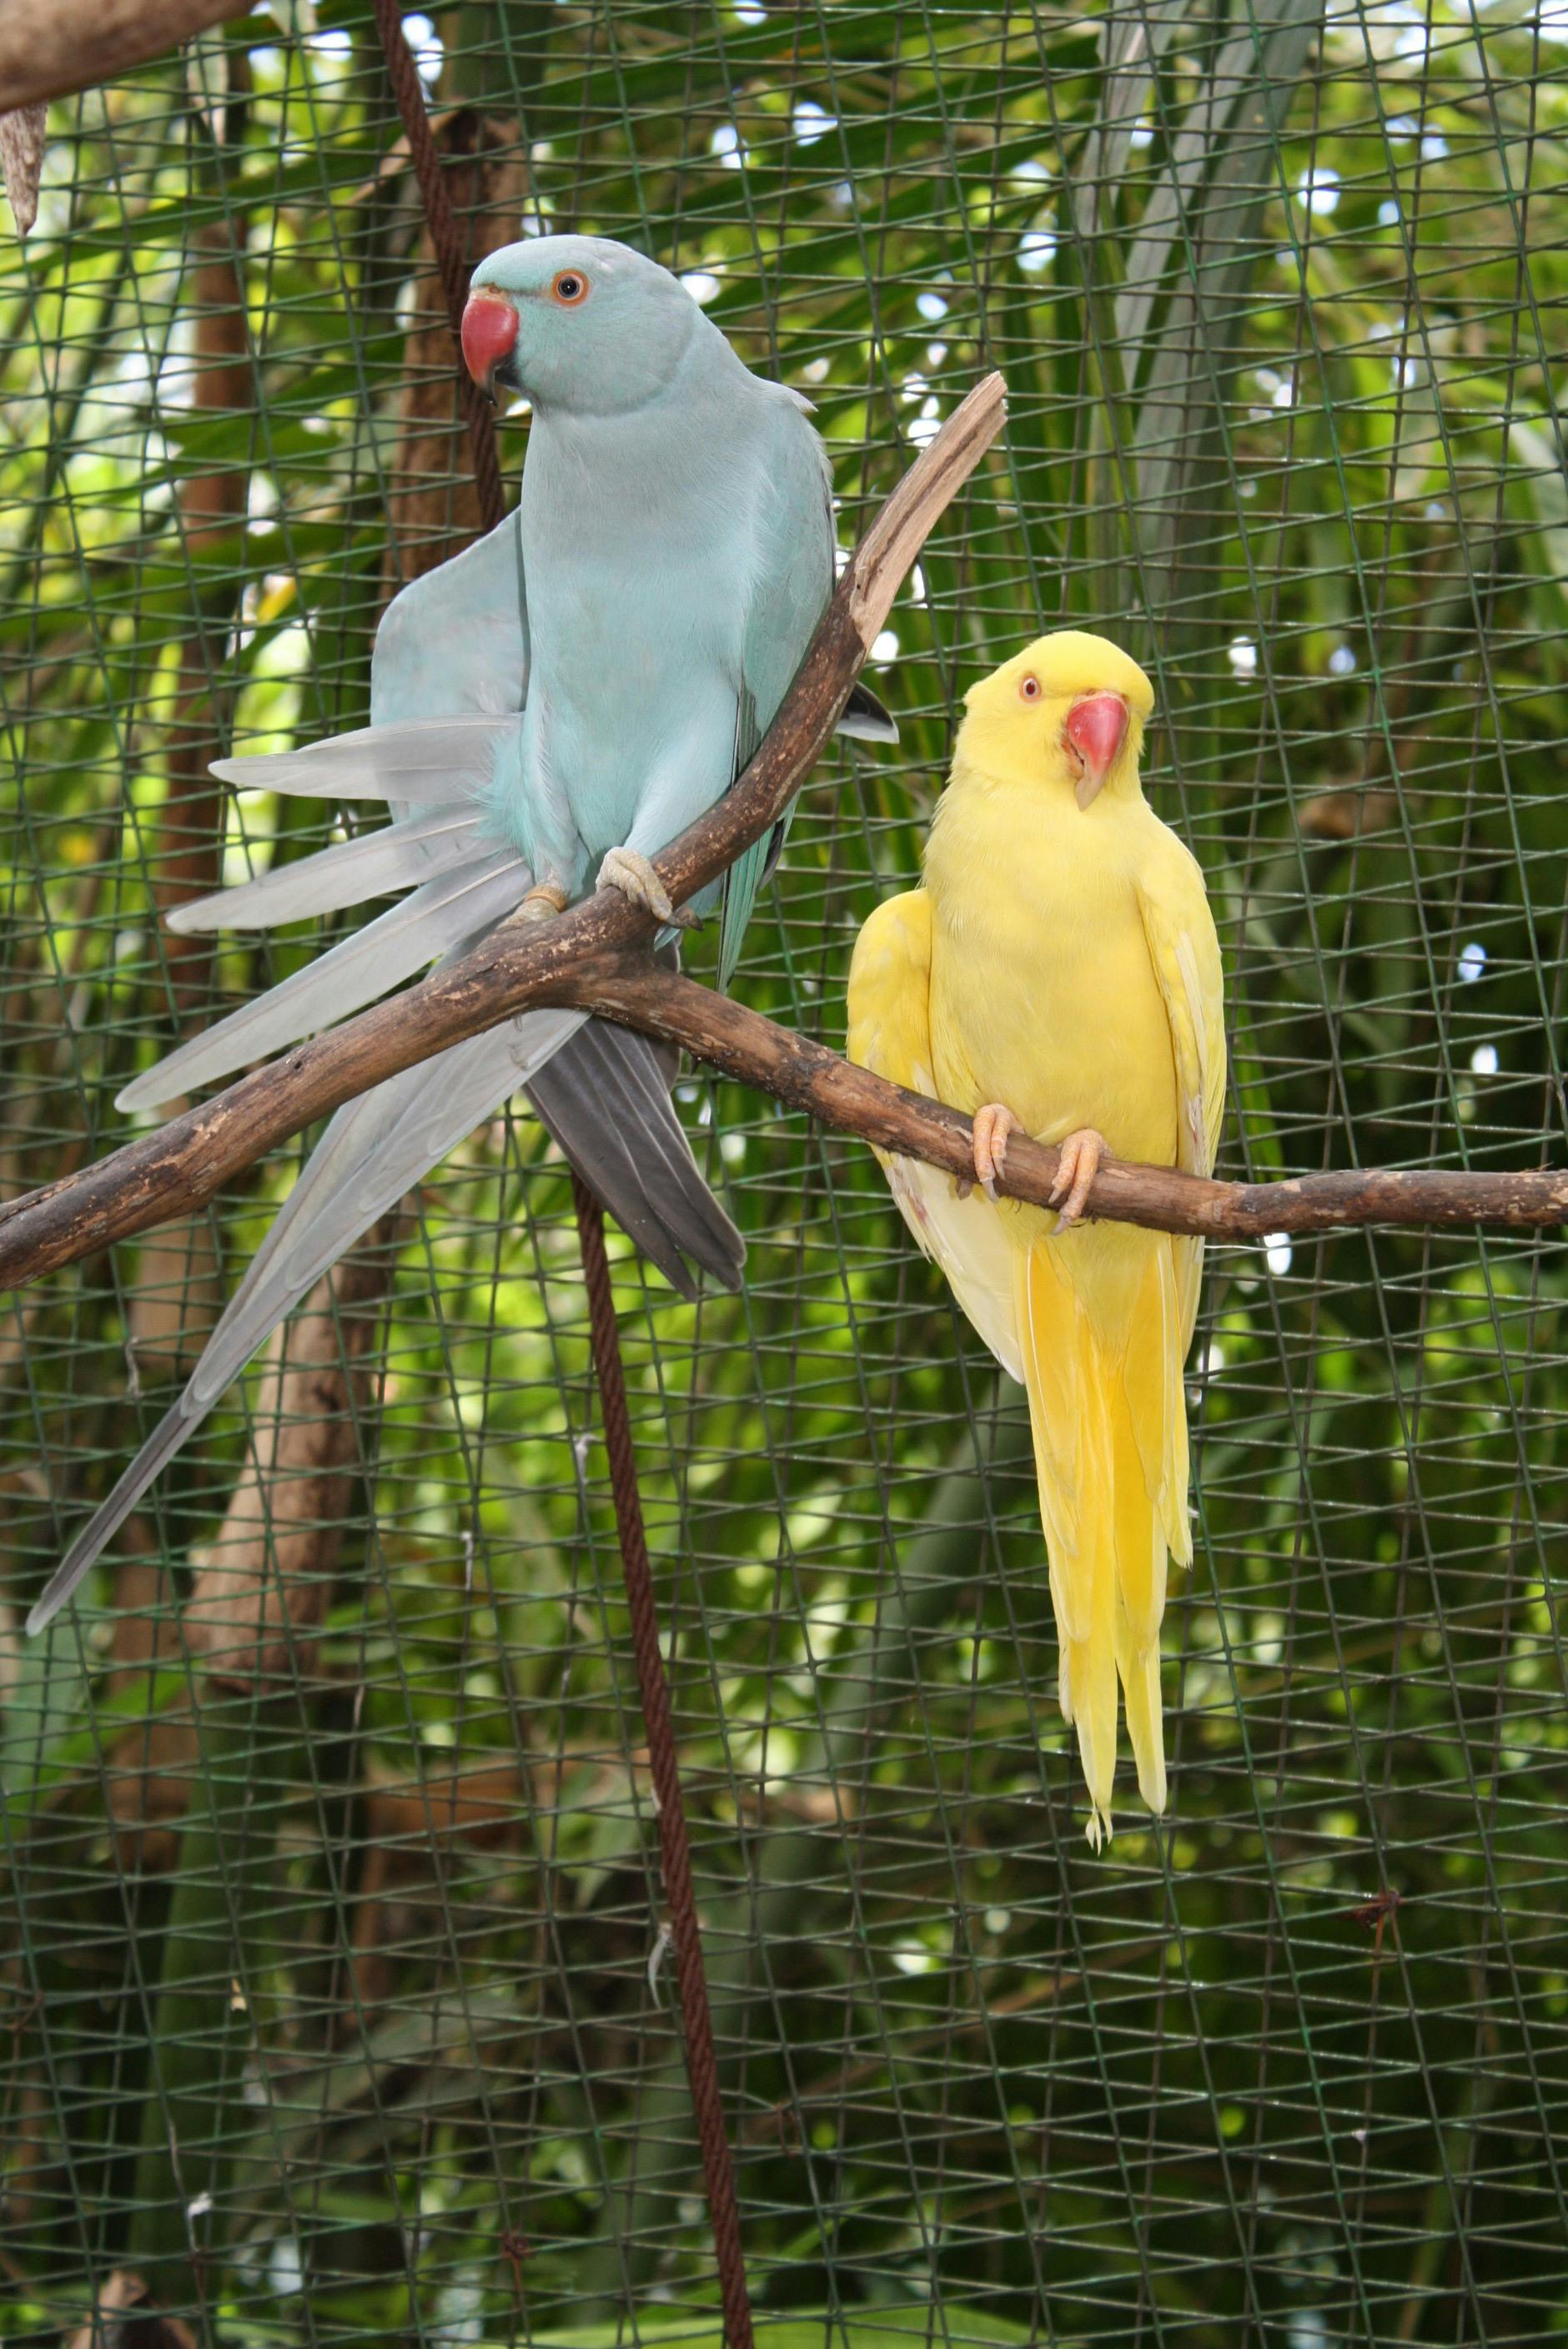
1162	1332
1110	1437
1072	1463
1138	1670
1149	1472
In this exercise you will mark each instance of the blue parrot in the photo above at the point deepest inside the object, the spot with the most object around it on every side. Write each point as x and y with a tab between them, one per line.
548	710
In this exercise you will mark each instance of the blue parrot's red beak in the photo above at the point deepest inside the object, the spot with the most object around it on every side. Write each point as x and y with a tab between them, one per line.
1096	729
489	331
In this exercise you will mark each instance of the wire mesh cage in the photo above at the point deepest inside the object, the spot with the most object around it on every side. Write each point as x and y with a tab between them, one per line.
335	1977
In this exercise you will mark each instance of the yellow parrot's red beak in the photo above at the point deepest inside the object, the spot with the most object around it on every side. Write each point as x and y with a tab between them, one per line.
1095	729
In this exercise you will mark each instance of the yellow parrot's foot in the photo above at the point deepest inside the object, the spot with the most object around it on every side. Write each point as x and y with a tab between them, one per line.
993	1125
631	873
1081	1154
541	904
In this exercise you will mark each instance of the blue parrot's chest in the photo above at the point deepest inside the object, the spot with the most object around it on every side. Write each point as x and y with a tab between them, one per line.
650	541
635	660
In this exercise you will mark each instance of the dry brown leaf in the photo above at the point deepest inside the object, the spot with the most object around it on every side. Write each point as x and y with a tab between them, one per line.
22	160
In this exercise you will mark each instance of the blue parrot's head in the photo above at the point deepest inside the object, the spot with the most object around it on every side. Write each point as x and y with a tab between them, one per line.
577	323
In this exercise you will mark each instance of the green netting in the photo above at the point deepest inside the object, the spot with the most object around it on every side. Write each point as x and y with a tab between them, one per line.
337	2013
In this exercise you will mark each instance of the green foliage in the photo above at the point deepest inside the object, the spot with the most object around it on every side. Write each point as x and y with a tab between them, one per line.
1272	297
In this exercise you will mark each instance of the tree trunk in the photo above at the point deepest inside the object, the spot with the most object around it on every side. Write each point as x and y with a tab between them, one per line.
178	1296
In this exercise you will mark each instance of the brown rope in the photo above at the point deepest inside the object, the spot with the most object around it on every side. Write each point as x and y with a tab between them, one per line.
675	1848
675	1845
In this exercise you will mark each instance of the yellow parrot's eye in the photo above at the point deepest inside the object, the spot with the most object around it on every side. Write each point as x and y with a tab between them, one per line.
1028	688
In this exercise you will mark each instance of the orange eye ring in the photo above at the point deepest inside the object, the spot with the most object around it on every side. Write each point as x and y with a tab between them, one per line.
568	288
1029	687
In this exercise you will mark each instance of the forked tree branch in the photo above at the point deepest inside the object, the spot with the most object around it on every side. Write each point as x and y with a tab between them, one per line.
596	957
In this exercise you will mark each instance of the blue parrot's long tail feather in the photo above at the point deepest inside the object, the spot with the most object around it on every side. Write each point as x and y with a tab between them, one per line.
604	1097
154	1456
348	872
379	957
372	1152
427	762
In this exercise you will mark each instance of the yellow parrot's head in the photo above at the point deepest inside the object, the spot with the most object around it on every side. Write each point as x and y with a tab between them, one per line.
1069	711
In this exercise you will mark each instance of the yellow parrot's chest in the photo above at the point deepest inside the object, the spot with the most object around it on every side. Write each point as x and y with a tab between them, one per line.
1042	993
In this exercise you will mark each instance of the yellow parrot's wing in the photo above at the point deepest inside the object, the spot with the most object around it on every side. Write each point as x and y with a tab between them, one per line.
890	1033
1185	952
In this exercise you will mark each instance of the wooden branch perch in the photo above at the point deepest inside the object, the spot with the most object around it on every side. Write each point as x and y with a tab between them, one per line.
852	1101
596	956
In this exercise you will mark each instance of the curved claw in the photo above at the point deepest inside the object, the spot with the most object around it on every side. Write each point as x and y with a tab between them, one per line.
1079	1163
636	879
992	1124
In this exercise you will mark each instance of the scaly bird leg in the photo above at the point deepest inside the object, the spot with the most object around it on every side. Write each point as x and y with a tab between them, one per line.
1081	1154
542	902
625	870
993	1124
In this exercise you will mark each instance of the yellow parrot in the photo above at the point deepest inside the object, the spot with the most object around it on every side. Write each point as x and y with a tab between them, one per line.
1058	974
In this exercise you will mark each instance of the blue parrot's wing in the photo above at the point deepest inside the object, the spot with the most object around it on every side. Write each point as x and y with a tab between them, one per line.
372	1152
447	680
456	640
793	572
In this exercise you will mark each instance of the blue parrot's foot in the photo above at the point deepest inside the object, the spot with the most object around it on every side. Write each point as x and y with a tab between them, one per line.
625	870
993	1125
542	902
1081	1154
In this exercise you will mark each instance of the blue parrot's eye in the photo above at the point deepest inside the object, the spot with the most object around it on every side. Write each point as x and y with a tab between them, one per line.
569	288
1028	688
